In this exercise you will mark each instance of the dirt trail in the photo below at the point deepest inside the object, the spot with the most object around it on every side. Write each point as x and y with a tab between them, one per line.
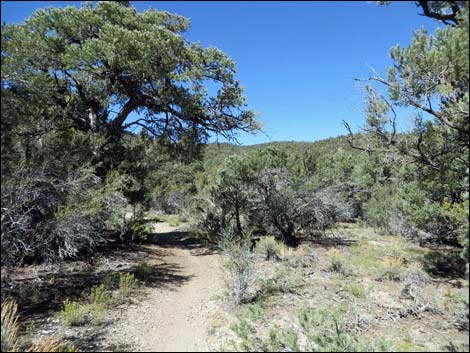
176	312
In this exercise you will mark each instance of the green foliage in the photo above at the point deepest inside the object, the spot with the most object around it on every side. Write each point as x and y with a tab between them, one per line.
246	332
390	268
127	284
261	191
74	313
431	76
109	280
251	311
148	47
281	340
269	247
99	296
357	289
100	58
238	269
323	330
336	263
326	332
143	272
172	220
281	281
140	230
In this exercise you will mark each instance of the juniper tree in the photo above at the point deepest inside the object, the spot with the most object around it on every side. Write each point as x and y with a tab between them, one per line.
431	78
98	65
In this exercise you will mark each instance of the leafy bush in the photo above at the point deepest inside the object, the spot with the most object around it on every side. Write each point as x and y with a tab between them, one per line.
281	340
258	191
458	306
251	311
73	313
246	331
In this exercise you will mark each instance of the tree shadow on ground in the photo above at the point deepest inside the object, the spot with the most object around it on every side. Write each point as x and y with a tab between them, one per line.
330	241
444	264
41	295
181	240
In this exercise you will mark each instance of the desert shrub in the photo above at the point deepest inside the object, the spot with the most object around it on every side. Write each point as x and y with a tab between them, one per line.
283	340
246	332
444	263
278	340
416	276
251	311
260	191
336	263
281	281
301	257
357	289
9	325
458	307
109	280
326	331
390	268
48	217
172	220
143	272
127	283
418	300
321	330
74	313
238	269
98	313
99	297
139	230
269	247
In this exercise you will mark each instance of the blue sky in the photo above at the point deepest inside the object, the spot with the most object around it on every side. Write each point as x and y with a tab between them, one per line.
296	60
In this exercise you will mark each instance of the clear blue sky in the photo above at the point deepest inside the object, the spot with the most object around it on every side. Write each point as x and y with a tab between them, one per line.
296	60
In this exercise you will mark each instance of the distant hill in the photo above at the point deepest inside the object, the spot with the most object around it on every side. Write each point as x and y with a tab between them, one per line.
215	153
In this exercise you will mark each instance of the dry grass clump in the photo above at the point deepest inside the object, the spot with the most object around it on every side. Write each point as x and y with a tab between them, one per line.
390	269
10	327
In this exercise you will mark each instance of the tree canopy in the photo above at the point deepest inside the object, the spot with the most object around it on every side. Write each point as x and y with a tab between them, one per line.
98	64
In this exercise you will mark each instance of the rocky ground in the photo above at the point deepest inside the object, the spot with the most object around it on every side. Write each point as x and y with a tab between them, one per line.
385	287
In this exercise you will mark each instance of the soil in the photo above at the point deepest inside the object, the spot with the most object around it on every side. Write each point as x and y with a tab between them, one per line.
174	317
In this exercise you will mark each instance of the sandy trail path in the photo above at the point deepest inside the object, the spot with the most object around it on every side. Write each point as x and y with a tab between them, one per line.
176	313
